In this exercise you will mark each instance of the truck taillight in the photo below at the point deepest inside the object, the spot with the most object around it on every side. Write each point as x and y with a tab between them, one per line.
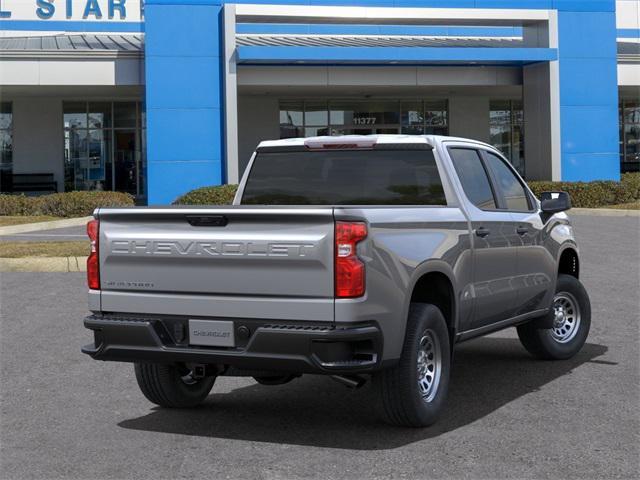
93	262
350	271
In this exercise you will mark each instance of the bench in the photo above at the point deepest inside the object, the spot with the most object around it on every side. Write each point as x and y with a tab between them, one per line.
33	182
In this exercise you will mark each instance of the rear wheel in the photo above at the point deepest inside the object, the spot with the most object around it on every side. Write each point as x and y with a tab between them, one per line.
571	323
172	386
413	392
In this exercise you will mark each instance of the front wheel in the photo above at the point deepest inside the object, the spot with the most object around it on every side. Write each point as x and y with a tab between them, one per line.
413	392
571	323
172	386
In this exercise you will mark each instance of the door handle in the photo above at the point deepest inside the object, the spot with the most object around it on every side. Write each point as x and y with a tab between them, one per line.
522	230
482	232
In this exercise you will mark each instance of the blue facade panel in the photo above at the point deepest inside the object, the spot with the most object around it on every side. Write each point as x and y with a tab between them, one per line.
585	167
172	179
588	95
172	74
184	97
184	134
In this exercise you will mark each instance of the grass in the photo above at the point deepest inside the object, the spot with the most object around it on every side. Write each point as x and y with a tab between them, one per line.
6	220
626	206
44	249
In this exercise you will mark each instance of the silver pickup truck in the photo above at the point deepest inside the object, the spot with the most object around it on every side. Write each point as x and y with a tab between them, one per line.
359	257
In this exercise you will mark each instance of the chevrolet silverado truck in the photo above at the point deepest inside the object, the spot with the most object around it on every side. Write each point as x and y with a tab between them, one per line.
359	257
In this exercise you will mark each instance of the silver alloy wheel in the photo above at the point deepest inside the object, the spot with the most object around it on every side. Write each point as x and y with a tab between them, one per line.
566	321
429	365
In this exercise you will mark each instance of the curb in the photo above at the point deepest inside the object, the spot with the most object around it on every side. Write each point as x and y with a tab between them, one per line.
44	264
604	212
35	227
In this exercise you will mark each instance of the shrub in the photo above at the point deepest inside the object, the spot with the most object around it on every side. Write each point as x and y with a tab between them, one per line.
18	205
631	184
218	195
594	194
81	204
69	204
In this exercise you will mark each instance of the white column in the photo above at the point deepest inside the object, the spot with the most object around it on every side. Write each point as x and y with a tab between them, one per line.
230	95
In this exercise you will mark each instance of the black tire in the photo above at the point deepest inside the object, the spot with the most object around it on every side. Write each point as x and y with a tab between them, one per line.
171	386
401	397
550	343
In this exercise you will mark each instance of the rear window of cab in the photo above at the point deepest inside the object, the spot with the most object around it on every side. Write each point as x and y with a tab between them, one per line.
344	177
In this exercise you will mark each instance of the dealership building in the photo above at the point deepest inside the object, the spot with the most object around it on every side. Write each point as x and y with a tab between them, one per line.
159	97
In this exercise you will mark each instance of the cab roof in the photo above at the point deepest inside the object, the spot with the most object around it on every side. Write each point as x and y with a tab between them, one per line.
360	141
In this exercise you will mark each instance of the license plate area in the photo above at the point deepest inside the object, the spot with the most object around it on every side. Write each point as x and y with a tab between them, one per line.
211	333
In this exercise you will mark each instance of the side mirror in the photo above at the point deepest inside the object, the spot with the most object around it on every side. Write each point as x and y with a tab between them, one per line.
554	202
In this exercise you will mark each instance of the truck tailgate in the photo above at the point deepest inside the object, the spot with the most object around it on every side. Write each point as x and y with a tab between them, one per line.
227	261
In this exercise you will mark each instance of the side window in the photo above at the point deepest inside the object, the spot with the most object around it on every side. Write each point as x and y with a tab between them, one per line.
514	194
473	177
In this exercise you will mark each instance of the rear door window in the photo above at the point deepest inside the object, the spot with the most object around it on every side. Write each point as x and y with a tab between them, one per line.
344	177
473	177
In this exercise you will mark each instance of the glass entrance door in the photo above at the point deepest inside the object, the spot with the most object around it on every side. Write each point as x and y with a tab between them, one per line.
125	162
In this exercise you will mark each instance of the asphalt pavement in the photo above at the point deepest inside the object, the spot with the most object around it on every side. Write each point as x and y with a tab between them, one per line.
64	415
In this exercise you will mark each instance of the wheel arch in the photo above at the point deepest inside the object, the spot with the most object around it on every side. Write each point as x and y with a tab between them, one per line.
434	283
569	261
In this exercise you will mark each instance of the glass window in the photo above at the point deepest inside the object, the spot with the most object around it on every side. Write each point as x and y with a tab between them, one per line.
515	196
367	113
102	142
6	146
124	114
100	115
6	116
291	119
473	177
412	113
316	114
436	113
630	135
75	114
345	177
506	129
362	117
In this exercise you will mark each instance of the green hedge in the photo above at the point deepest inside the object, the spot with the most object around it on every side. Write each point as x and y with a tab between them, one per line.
595	194
220	195
69	204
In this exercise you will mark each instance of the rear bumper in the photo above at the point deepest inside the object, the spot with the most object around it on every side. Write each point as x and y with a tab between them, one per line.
296	347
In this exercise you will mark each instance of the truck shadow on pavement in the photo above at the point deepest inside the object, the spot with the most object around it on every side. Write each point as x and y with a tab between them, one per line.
487	374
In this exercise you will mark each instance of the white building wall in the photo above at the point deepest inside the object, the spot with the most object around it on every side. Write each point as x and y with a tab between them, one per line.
38	143
628	14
